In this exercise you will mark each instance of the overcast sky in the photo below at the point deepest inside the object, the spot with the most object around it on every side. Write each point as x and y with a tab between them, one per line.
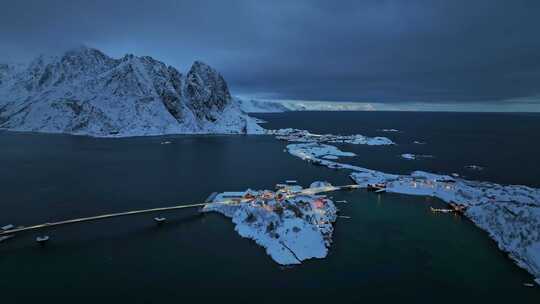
380	51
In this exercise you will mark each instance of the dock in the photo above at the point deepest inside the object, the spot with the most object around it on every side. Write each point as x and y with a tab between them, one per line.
454	208
441	210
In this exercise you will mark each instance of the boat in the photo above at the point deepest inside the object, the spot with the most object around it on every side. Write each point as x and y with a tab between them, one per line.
375	187
42	239
160	220
458	208
5	237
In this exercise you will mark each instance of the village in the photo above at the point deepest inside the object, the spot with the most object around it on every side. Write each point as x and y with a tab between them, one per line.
293	223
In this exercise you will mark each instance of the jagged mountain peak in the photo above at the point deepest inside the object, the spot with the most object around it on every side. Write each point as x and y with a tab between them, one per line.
207	89
84	91
199	65
83	50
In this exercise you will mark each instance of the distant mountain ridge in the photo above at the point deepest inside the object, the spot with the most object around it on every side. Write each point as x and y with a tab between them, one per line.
86	92
276	106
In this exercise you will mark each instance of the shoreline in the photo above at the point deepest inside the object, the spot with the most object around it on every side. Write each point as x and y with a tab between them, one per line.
483	201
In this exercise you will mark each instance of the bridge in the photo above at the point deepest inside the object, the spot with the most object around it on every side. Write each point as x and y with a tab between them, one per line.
98	217
306	191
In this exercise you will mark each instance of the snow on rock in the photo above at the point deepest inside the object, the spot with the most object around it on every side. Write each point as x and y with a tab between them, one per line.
320	184
510	214
250	105
297	135
86	92
410	156
292	226
258	106
315	150
474	167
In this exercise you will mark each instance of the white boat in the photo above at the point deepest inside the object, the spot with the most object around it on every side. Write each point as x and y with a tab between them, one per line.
42	239
160	220
5	237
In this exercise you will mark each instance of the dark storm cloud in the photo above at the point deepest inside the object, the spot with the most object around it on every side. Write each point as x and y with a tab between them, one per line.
335	50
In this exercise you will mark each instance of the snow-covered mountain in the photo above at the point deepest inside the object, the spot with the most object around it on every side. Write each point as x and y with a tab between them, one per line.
86	92
258	106
275	106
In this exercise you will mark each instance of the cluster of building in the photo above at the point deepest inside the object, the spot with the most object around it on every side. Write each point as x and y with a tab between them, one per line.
272	201
293	223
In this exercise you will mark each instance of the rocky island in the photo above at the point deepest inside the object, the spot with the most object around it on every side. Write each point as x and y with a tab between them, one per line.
292	223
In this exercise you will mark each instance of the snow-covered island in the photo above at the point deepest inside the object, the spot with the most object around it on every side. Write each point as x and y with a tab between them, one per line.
510	214
85	92
297	135
292	223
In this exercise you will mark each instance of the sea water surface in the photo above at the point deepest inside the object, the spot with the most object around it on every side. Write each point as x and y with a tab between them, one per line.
391	249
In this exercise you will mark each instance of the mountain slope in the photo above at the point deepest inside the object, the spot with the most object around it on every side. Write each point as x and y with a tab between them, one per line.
86	92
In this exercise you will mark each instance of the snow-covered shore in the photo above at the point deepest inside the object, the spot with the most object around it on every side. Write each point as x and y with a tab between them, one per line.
510	214
293	224
297	135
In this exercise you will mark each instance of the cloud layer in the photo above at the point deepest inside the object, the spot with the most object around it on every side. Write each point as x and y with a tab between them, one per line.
375	50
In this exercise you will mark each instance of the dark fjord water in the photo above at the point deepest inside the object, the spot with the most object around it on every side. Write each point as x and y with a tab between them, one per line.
391	249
